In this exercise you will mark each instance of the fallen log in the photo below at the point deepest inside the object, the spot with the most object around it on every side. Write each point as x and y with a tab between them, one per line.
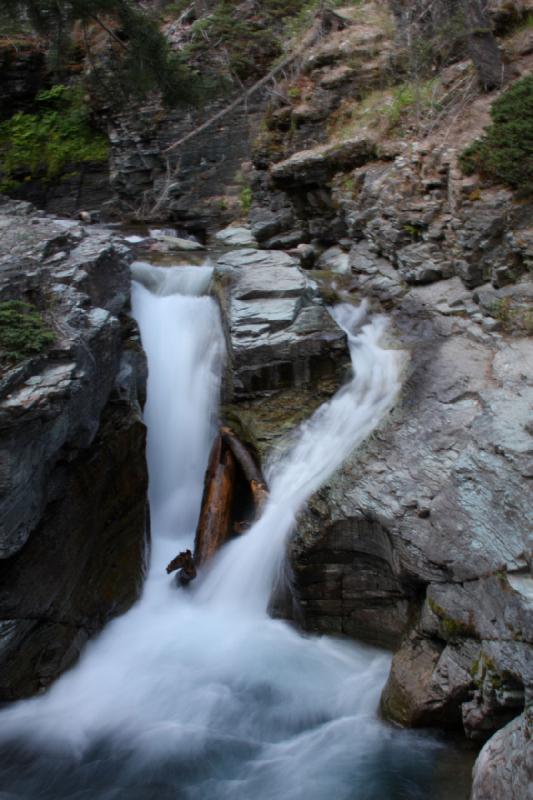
214	523
222	483
251	471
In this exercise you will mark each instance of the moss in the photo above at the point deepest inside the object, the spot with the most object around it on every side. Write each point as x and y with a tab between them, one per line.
451	628
516	319
412	231
23	332
474	667
46	143
504	154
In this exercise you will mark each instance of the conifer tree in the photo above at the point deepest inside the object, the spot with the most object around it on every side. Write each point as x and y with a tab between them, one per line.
143	59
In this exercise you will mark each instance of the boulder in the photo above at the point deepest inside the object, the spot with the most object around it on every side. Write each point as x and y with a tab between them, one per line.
420	263
236	236
504	767
334	259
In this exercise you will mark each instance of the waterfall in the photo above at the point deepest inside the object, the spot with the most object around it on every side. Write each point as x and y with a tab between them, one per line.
200	695
320	446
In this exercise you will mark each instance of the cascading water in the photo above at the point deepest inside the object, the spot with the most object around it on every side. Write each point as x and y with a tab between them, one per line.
199	695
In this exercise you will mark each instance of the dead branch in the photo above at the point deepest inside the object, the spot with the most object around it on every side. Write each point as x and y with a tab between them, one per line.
312	37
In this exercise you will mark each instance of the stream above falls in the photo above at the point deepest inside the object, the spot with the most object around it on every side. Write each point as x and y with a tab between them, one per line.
198	694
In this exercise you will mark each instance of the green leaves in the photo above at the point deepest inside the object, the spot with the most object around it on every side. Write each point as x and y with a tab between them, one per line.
505	152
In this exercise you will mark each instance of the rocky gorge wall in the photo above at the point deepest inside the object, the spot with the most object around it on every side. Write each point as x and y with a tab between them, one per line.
421	542
73	471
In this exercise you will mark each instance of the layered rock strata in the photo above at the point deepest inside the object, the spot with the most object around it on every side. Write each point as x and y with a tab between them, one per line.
286	354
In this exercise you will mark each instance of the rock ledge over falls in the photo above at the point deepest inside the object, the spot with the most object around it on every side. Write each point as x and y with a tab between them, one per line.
286	354
72	466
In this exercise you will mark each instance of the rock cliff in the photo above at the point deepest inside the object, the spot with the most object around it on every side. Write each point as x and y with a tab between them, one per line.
422	541
73	473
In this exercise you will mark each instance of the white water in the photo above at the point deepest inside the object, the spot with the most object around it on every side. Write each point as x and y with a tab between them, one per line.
199	694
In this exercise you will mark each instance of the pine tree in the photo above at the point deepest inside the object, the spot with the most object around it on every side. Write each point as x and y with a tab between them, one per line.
142	57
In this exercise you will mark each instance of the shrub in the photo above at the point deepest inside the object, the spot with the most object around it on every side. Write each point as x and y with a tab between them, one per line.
43	144
505	152
246	198
22	331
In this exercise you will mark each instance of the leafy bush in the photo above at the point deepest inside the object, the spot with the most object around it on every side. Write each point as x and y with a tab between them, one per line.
47	142
505	152
22	331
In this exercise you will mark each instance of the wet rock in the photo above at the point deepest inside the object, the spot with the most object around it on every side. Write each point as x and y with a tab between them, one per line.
504	767
73	473
442	483
177	243
279	331
426	681
335	260
236	237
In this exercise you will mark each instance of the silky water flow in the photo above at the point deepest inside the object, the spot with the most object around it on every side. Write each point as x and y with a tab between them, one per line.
197	694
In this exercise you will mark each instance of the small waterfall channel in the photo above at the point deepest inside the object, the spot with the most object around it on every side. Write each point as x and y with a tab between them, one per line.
198	694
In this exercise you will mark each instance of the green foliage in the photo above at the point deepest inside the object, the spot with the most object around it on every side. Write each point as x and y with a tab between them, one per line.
22	331
409	97
176	8
246	198
47	142
413	231
505	152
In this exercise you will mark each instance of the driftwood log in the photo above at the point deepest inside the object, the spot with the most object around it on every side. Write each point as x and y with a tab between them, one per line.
230	462
214	523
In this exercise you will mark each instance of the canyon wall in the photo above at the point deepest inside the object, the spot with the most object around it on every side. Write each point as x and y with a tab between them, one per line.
73	471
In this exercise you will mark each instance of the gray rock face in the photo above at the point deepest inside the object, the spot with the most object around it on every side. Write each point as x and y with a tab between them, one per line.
426	531
279	332
504	767
286	355
23	75
236	236
319	164
73	474
201	169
